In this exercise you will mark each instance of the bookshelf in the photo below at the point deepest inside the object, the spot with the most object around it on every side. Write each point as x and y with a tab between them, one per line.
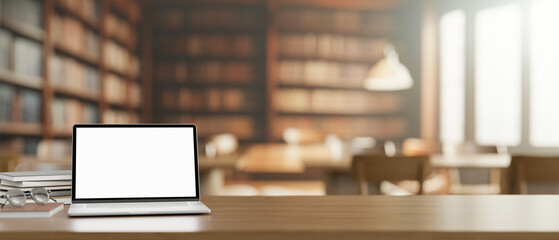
269	65
209	66
58	62
322	53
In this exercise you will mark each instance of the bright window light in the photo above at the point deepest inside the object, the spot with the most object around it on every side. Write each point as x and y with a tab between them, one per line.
544	74
452	98
498	75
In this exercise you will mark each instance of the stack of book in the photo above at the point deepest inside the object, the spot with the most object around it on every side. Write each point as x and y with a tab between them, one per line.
58	182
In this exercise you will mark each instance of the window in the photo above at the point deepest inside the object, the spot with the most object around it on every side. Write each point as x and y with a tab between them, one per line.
544	73
452	85
498	75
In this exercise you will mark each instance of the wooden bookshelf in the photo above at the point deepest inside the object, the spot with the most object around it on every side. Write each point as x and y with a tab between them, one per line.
208	66
22	29
321	53
323	49
67	85
34	129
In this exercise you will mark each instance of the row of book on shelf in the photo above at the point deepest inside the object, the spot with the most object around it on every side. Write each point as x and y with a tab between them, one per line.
27	12
67	73
72	34
26	145
242	126
119	59
381	128
322	73
238	45
336	19
210	99
119	116
27	55
77	38
331	46
336	101
118	91
90	9
120	29
66	112
207	71
58	183
19	105
199	17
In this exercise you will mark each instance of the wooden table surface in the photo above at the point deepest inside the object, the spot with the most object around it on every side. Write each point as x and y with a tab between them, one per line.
323	217
285	158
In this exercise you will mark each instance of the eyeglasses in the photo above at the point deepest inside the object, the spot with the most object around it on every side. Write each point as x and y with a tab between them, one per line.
17	197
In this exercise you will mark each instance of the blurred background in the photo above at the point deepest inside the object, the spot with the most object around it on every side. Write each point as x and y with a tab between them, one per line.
286	92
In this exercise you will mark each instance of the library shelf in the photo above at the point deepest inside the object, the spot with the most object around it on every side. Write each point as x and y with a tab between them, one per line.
119	73
224	58
17	128
34	33
215	84
83	57
91	23
218	112
369	61
371	32
320	114
63	133
80	94
30	82
318	86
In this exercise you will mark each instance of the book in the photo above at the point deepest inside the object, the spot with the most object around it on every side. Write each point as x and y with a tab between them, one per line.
31	210
26	189
5	39
35	183
28	57
37	175
6	98
31	109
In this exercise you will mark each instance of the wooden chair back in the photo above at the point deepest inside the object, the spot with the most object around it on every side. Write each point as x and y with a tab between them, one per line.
537	169
376	168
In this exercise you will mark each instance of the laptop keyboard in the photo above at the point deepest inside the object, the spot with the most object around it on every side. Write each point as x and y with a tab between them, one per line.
145	205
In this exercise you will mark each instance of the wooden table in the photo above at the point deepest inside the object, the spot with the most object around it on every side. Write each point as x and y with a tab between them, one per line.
296	159
325	217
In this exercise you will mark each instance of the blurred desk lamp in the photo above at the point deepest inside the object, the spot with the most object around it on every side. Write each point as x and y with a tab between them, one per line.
388	74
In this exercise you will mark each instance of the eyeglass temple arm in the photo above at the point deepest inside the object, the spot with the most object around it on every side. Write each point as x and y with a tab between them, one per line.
50	197
3	204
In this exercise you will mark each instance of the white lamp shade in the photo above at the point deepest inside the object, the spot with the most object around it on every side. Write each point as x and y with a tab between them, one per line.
388	74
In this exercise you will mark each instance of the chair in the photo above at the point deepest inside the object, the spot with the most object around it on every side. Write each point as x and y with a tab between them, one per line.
534	169
474	181
371	168
438	182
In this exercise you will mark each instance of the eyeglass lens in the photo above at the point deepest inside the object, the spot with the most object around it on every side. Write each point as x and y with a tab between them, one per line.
40	195
16	197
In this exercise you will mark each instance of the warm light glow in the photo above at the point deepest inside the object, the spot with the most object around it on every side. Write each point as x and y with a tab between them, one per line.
544	73
452	103
388	74
498	74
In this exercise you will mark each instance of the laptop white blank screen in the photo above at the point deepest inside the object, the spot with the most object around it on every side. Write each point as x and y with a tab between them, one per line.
135	162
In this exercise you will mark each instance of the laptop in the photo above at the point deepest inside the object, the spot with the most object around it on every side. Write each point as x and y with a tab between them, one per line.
135	169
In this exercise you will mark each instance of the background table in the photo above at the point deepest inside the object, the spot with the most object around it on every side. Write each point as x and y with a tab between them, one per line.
324	217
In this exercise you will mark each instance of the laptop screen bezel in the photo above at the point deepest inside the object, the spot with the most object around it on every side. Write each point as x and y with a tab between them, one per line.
139	199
